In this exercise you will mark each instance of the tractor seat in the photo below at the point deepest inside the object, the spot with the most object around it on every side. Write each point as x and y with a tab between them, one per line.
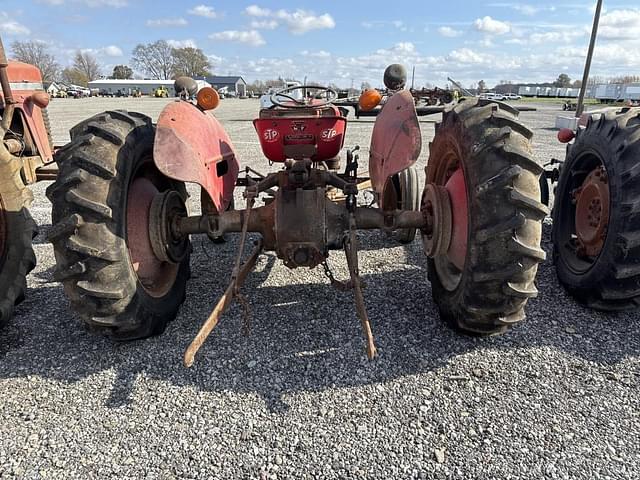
299	133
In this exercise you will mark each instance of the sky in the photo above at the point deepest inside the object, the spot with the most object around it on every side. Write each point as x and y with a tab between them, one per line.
344	42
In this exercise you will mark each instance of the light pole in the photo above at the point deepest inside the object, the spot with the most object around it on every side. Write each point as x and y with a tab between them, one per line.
587	65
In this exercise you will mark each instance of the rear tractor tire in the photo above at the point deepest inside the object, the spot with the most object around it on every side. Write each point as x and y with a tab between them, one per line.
596	215
402	192
482	194
17	230
110	205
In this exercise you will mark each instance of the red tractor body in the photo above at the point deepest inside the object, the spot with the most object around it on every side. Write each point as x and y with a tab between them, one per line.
28	94
478	216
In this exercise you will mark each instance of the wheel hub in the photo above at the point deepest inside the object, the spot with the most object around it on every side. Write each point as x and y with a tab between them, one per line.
165	208
436	208
592	213
155	273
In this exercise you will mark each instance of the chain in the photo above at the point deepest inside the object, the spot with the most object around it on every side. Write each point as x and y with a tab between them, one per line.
334	283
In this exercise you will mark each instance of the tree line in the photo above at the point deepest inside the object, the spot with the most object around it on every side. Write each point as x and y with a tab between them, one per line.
157	60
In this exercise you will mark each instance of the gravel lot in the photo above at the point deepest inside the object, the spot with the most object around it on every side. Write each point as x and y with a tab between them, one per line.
558	397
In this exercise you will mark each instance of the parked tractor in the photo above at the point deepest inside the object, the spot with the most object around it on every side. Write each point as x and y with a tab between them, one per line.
596	211
25	148
121	226
161	92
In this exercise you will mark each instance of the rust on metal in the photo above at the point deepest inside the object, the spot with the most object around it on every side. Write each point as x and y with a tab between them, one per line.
4	76
592	212
351	252
192	146
396	140
155	275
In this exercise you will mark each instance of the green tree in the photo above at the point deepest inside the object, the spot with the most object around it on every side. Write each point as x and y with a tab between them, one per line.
122	72
74	76
563	81
190	62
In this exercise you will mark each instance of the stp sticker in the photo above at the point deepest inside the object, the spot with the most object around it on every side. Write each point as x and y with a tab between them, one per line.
270	135
329	134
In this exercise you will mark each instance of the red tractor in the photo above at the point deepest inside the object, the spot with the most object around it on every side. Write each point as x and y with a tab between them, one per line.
596	211
25	147
121	227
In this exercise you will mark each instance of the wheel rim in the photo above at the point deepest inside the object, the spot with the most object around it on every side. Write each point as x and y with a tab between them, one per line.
448	173
592	213
156	276
584	220
4	232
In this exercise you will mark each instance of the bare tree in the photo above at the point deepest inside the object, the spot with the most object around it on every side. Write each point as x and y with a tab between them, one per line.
155	59
190	62
87	64
35	53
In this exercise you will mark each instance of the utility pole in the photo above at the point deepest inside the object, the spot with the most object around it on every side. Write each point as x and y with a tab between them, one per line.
413	77
587	65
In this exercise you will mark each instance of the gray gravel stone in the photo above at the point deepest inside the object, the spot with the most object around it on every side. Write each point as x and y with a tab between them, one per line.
297	398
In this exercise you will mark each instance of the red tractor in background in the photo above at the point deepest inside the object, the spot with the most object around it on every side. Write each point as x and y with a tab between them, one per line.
121	227
596	210
25	147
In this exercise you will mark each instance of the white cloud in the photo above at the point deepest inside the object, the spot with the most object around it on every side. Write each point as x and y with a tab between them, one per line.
449	32
167	22
264	24
203	11
183	43
111	51
11	27
250	37
491	26
297	22
467	56
620	25
256	11
318	54
302	21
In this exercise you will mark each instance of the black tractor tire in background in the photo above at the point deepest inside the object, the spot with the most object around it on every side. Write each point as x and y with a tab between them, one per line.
407	186
89	233
611	281
489	294
17	230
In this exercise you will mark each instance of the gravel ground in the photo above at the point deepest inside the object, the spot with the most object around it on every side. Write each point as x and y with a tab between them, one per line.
555	398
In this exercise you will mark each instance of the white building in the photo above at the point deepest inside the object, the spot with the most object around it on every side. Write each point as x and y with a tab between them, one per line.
147	87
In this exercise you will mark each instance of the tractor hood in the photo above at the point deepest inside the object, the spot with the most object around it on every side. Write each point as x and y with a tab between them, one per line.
192	146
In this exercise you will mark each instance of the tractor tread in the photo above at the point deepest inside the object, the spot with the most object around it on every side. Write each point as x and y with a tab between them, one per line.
89	228
20	258
612	282
505	230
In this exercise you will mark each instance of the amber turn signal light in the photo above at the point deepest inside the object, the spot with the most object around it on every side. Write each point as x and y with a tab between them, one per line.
208	98
369	99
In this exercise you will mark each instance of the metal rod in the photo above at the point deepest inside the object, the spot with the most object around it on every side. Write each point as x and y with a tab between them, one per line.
351	252
4	77
221	307
587	65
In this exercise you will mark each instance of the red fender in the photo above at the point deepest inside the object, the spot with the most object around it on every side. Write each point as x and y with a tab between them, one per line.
192	146
25	80
396	141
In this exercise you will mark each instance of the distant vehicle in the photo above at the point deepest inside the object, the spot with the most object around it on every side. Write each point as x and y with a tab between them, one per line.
512	96
161	92
492	96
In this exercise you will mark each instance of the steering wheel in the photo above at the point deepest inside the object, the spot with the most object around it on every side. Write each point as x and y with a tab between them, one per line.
303	103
